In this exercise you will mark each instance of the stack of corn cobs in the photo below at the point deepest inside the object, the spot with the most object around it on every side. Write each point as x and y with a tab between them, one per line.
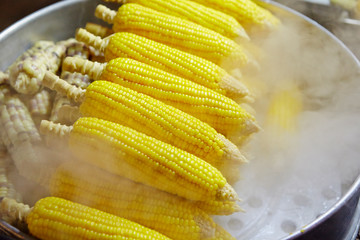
142	124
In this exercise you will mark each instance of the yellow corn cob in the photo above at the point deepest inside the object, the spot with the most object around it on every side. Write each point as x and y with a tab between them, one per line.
176	32
98	30
172	216
169	59
220	112
197	13
285	106
122	105
144	159
55	218
26	73
252	17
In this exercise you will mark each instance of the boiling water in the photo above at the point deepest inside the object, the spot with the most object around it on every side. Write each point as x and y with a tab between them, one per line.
294	177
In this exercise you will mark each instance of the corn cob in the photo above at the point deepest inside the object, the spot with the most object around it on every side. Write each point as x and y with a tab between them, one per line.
21	137
73	48
4	77
197	13
285	106
220	112
26	73
172	216
98	30
252	17
176	32
39	105
17	123
169	59
56	218
7	188
144	159
122	105
59	102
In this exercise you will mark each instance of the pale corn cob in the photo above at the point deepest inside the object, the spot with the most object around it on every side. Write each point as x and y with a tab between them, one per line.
26	73
220	112
172	216
197	13
7	188
169	59
98	30
122	105
73	48
39	105
17	123
55	218
59	102
4	77
146	160
176	32
22	139
252	17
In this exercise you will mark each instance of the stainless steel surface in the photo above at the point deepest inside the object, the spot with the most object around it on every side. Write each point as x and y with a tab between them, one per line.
60	21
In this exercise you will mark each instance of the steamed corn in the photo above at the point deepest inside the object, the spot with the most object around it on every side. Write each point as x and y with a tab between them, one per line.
144	159
55	218
220	112
176	32
197	13
172	60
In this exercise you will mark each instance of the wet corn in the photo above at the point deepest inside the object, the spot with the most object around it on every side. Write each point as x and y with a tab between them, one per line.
112	102
144	159
172	60
176	32
252	17
220	112
55	218
170	215
197	13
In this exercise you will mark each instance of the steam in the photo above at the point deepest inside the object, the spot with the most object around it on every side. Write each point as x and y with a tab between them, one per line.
293	177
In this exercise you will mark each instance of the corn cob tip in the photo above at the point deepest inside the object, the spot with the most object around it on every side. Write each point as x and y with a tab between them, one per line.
232	153
53	82
227	193
105	14
90	68
241	32
68	114
234	88
14	211
82	35
207	227
98	30
55	129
